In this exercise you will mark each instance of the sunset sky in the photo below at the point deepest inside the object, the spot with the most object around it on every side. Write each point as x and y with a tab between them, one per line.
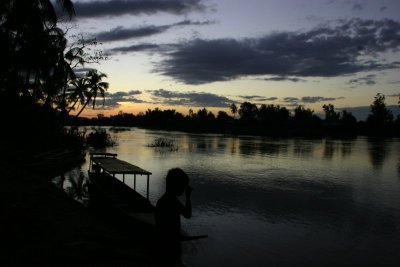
192	54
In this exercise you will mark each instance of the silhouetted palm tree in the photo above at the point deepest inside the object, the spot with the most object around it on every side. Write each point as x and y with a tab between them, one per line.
80	93
31	38
97	86
234	109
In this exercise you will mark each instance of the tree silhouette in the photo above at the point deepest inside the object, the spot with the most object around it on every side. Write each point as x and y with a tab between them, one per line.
273	114
33	46
302	114
233	109
347	118
223	118
248	111
80	92
330	114
97	87
379	115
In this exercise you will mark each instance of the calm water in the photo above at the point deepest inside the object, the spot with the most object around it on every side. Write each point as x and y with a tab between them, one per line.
268	202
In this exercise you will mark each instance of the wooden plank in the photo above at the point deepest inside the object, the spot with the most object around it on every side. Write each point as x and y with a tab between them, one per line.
116	166
102	154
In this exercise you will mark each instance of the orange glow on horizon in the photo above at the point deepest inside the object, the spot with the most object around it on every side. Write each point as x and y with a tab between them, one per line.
138	108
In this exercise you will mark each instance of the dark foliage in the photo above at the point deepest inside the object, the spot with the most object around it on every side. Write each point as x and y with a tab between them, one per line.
267	120
99	138
36	72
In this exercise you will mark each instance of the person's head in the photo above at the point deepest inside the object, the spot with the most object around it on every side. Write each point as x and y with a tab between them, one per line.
176	181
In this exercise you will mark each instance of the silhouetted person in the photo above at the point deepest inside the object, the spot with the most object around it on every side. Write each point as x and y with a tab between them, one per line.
168	221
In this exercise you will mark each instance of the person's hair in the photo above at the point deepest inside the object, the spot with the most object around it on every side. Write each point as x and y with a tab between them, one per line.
176	177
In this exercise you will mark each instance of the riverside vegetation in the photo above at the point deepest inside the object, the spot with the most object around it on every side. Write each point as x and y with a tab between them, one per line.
264	120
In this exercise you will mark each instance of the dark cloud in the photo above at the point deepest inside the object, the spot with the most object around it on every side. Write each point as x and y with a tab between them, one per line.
113	100
316	99
81	72
120	33
257	98
133	48
290	100
367	80
383	8
294	101
284	78
194	23
349	47
111	8
123	94
135	92
109	104
357	7
195	99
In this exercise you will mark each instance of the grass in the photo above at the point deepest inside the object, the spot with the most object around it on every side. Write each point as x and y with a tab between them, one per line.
162	142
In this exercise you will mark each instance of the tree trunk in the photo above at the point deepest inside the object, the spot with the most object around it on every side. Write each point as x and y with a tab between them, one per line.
80	111
71	108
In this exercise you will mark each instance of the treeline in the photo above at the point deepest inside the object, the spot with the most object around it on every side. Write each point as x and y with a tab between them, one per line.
267	120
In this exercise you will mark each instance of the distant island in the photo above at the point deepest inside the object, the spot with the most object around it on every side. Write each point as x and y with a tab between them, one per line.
265	120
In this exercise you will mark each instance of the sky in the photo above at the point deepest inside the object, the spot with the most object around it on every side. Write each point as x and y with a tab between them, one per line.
190	54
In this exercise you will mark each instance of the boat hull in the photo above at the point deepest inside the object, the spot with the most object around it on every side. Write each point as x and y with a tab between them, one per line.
110	195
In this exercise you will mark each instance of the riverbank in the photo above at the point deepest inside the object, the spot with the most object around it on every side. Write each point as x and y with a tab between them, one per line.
41	226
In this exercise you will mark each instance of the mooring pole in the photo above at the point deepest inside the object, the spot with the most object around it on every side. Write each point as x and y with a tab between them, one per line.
148	177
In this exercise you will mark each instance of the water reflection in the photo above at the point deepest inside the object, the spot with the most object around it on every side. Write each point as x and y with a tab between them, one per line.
347	147
398	168
281	200
333	147
234	145
267	147
378	151
330	148
284	202
274	148
303	148
75	183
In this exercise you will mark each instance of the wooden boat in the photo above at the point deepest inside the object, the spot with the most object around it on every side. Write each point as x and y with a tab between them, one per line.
108	192
54	162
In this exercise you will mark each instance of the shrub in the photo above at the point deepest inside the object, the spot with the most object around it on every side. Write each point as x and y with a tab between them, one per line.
161	142
99	138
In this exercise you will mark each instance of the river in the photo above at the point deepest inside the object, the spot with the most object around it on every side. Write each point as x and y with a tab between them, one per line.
278	202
